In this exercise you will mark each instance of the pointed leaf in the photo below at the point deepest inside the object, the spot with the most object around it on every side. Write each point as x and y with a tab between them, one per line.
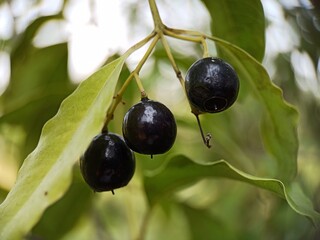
181	172
47	172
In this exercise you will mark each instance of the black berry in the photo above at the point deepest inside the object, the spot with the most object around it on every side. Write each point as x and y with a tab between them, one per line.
149	127
212	85
107	163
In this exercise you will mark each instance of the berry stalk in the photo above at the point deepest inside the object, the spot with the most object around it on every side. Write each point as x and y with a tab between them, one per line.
118	97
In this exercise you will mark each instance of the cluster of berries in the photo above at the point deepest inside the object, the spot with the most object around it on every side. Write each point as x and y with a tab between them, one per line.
149	127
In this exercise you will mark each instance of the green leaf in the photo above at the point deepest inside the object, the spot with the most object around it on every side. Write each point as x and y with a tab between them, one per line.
35	74
181	172
21	45
76	203
47	172
239	22
32	116
38	84
279	125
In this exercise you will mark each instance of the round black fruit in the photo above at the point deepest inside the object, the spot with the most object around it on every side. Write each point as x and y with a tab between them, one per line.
107	163
212	85
149	127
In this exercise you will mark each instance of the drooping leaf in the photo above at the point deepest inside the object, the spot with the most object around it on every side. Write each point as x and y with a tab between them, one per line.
279	125
46	173
239	22
181	172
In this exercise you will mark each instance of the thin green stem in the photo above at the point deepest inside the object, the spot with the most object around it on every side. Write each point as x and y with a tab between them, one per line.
205	48
158	25
206	139
184	32
147	53
116	100
140	43
118	97
171	59
160	30
191	36
188	34
140	86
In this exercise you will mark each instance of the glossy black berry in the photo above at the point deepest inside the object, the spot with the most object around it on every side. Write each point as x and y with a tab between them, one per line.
149	127
107	163
212	85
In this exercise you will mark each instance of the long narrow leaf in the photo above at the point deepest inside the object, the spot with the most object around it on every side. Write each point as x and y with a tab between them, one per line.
46	173
181	172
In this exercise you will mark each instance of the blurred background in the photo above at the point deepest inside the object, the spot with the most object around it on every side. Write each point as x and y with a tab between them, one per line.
48	47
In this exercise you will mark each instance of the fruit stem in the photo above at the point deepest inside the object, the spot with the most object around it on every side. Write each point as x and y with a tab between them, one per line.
205	47
184	32
158	25
140	43
206	139
118	97
140	86
160	30
192	36
171	58
147	53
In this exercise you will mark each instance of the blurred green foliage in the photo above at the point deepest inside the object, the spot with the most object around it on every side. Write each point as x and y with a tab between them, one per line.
199	207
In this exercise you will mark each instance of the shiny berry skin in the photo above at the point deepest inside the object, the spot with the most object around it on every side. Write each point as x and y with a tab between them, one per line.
212	85
107	163
149	127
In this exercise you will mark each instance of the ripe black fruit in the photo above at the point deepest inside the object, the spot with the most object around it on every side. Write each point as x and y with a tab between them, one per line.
107	163
212	85
149	127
